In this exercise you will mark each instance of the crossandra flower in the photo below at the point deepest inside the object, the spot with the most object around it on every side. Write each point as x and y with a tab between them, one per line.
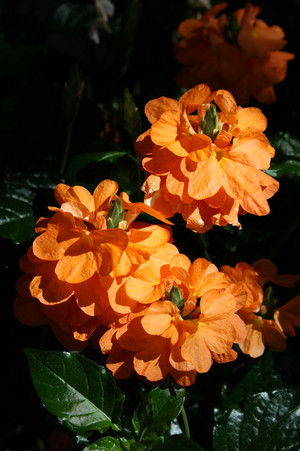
207	165
240	53
287	317
178	332
79	252
257	311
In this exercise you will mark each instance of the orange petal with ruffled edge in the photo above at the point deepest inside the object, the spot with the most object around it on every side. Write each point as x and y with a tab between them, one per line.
59	236
90	296
195	350
180	266
191	99
153	362
104	193
155	108
250	117
227	104
216	305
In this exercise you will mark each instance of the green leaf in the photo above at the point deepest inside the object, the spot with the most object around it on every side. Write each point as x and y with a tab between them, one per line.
175	442
285	144
261	377
17	193
131	116
282	169
82	395
158	408
82	160
105	444
269	421
287	158
17	220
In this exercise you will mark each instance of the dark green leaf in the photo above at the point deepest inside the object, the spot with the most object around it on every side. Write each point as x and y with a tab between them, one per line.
282	169
270	421
82	395
158	408
105	444
175	442
17	193
285	144
82	160
17	220
131	116
261	377
287	157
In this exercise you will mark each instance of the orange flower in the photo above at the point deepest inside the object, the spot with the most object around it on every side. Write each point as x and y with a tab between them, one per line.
267	272
168	332
72	266
261	331
240	53
206	166
288	316
245	274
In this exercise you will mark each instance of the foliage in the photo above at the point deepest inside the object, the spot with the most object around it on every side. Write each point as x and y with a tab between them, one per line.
70	113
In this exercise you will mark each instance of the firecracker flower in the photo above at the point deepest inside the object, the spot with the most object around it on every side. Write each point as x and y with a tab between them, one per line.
240	53
90	241
260	306
182	331
207	166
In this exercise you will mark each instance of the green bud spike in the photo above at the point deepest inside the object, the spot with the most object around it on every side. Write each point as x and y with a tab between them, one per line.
232	30
176	297
210	123
115	215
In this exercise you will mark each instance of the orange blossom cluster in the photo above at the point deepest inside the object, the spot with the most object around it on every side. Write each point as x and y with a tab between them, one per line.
240	53
204	164
93	272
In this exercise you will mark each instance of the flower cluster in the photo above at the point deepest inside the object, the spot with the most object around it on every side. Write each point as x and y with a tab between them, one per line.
90	242
184	318
94	273
260	307
240	53
204	164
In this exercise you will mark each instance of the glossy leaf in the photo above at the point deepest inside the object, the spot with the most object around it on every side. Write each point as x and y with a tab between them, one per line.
261	377
105	444
17	193
180	442
158	408
82	395
269	421
285	144
282	169
82	160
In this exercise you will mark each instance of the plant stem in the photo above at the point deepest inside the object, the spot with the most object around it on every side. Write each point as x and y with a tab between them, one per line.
68	142
185	422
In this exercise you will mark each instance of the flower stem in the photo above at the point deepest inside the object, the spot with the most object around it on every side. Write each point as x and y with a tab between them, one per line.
185	422
68	142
